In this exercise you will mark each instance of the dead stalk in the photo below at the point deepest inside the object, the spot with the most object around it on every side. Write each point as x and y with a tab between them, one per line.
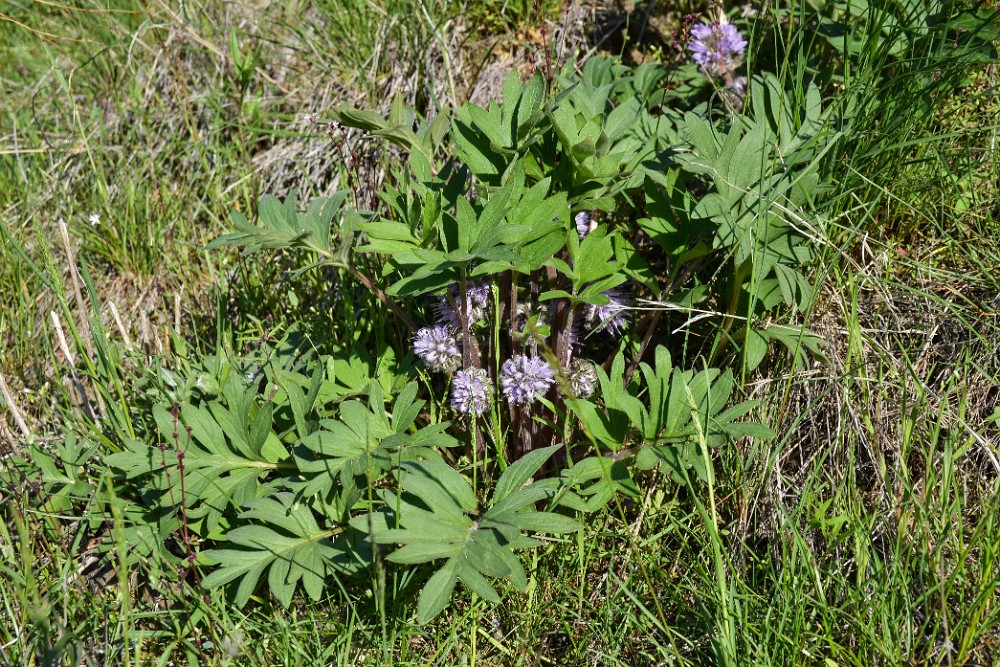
12	408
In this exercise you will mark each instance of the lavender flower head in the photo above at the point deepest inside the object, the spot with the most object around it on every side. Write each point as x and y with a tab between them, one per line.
736	92
478	304
612	316
582	221
470	391
525	378
717	47
438	348
739	86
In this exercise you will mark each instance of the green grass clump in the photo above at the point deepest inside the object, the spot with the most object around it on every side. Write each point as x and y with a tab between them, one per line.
865	533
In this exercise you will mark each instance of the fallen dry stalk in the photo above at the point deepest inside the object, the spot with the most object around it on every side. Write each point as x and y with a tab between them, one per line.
12	408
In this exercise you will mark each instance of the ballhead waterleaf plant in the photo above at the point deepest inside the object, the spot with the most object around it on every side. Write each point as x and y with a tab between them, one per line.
513	246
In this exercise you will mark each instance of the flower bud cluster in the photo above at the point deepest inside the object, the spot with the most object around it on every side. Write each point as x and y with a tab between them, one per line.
611	317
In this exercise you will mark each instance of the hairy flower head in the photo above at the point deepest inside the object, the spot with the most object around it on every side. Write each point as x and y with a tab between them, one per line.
583	224
612	316
471	391
717	47
438	348
478	304
523	379
582	378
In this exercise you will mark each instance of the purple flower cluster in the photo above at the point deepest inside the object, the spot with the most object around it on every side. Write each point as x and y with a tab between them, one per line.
525	378
612	316
717	47
438	348
477	308
470	391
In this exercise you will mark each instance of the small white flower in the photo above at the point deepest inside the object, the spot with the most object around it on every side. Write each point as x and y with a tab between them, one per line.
95	219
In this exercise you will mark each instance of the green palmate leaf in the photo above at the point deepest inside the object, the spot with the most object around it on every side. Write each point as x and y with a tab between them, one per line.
622	118
221	469
673	411
397	128
595	259
466	226
261	428
365	441
281	226
507	126
146	530
277	214
519	472
62	471
695	414
764	171
658	384
611	425
546	522
474	147
704	140
599	425
437	591
800	342
440	486
754	348
285	541
544	218
596	480
503	200
390	231
470	575
422	552
529	104
361	119
447	526
291	385
680	460
518	500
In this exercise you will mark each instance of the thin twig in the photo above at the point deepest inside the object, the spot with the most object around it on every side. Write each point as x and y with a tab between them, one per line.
71	362
12	408
118	322
77	292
